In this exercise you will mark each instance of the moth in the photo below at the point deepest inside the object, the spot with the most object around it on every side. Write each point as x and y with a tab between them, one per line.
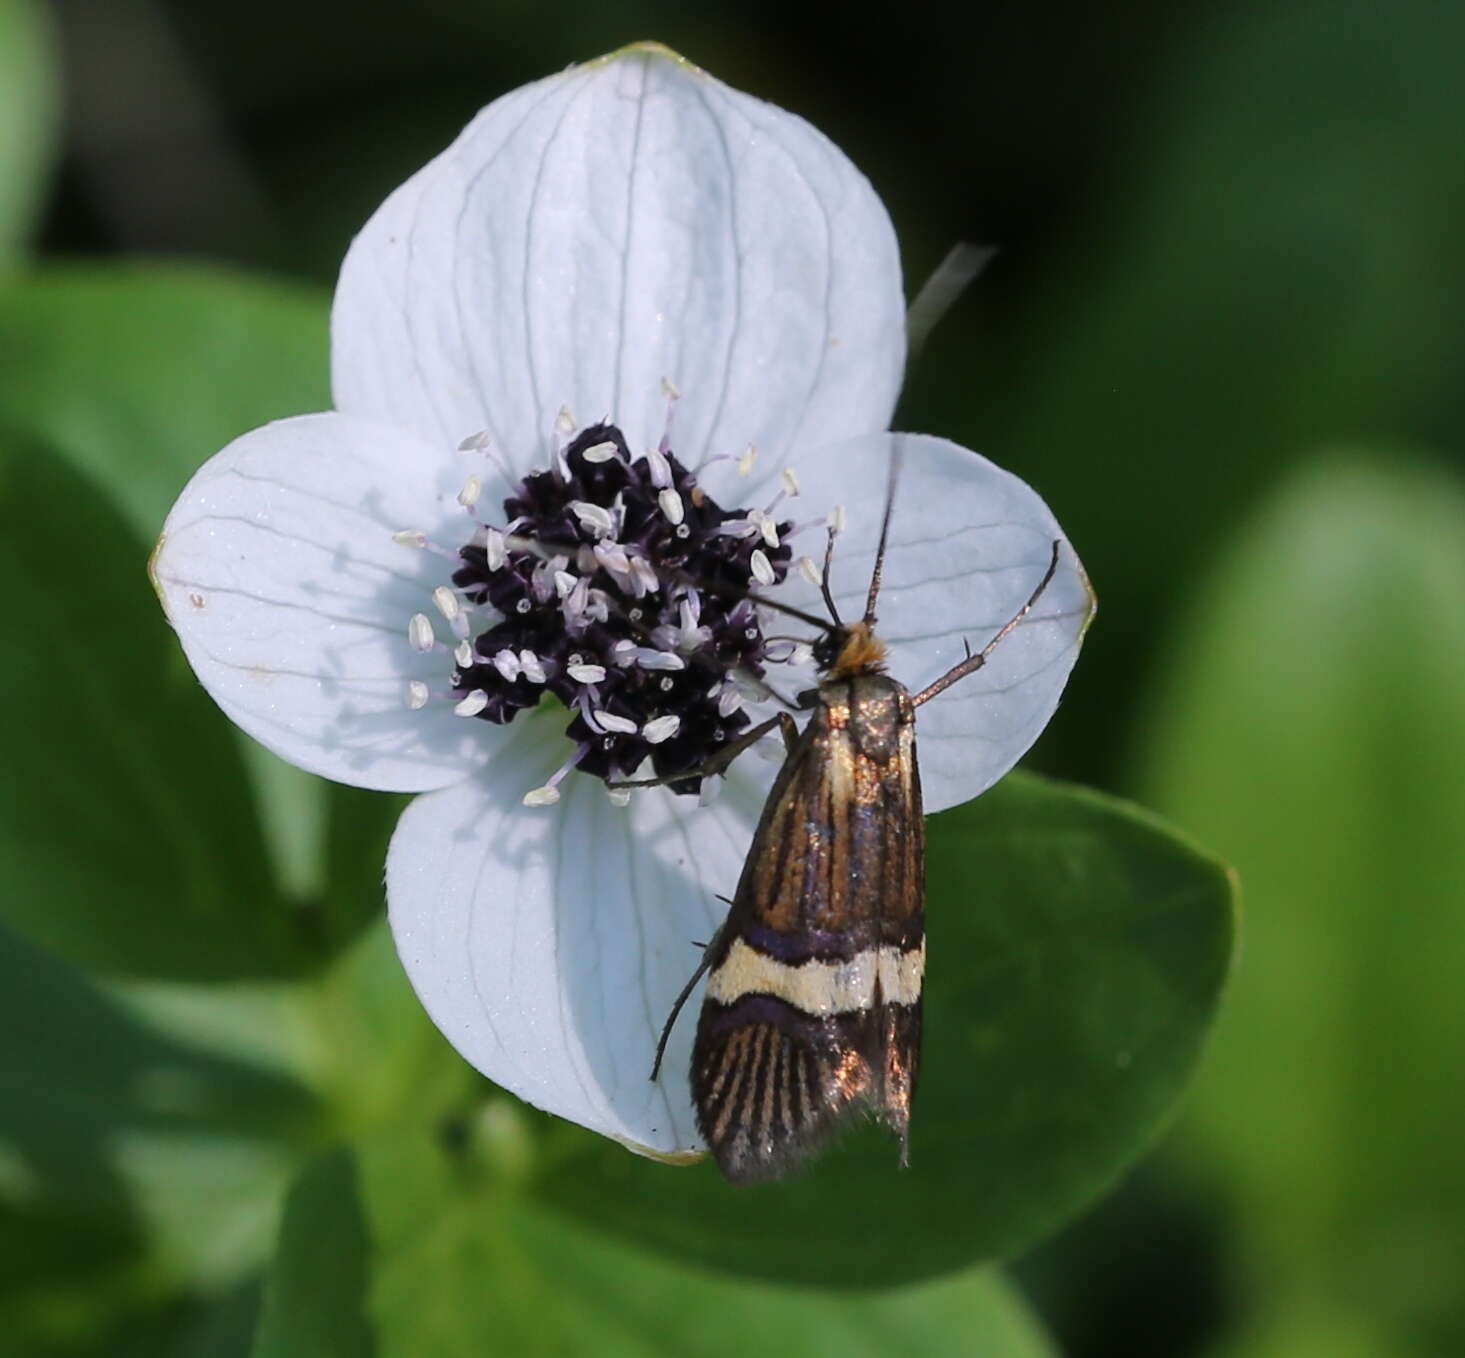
812	1013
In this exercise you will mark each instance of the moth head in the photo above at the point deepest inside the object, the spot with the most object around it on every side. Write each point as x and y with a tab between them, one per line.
844	652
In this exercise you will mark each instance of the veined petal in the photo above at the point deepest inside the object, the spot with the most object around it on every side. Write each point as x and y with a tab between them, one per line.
630	220
549	944
278	570
969	543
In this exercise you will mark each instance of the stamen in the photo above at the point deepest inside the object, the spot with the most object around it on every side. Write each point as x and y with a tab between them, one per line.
766	525
420	634
586	674
608	721
669	389
507	664
661	728
601	452
790	481
417	695
472	705
472	490
494	549
447	602
659	468
532	670
649	659
565	421
597	518
836	519
672	507
410	537
762	568
463	655
809	570
746	461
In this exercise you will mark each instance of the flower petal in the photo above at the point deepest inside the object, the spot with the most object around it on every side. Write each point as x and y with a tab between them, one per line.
969	543
549	944
630	220
278	571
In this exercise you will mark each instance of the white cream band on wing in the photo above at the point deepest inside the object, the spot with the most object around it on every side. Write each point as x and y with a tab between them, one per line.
820	987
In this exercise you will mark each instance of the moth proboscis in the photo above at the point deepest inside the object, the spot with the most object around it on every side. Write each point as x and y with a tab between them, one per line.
812	1013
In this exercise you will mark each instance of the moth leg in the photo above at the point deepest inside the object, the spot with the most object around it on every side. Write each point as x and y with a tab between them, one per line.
973	663
703	967
725	756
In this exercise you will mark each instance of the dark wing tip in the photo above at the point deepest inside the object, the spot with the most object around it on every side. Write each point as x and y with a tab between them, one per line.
770	1095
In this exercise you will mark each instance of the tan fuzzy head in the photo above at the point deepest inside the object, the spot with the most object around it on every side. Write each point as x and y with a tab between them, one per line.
858	651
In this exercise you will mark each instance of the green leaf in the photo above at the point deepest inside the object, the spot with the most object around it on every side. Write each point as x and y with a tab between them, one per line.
401	1249
128	840
127	1160
139	374
1311	726
27	118
1077	953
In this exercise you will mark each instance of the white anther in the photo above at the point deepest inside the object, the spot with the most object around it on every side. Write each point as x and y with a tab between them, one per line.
762	569
597	518
417	694
737	528
809	570
766	525
410	537
649	659
645	579
601	452
564	582
622	651
472	489
447	602
659	468
542	796
670	390
463	655
661	728
494	549
474	443
608	721
671	506
613	558
542	584
746	461
790	481
507	664
586	674
836	518
619	796
532	668
473	704
576	603
420	634
728	701
565	421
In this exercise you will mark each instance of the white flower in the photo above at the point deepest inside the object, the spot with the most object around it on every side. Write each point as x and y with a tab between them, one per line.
631	242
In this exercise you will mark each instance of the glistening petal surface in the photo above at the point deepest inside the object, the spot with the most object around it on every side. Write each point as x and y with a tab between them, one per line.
628	220
968	544
549	944
278	571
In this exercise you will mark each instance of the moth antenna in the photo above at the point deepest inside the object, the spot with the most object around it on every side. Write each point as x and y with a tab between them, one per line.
938	294
897	460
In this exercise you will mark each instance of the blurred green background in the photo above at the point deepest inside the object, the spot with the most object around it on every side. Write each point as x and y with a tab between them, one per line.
1224	336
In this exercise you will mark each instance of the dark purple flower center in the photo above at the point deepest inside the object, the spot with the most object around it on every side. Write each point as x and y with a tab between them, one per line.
623	589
